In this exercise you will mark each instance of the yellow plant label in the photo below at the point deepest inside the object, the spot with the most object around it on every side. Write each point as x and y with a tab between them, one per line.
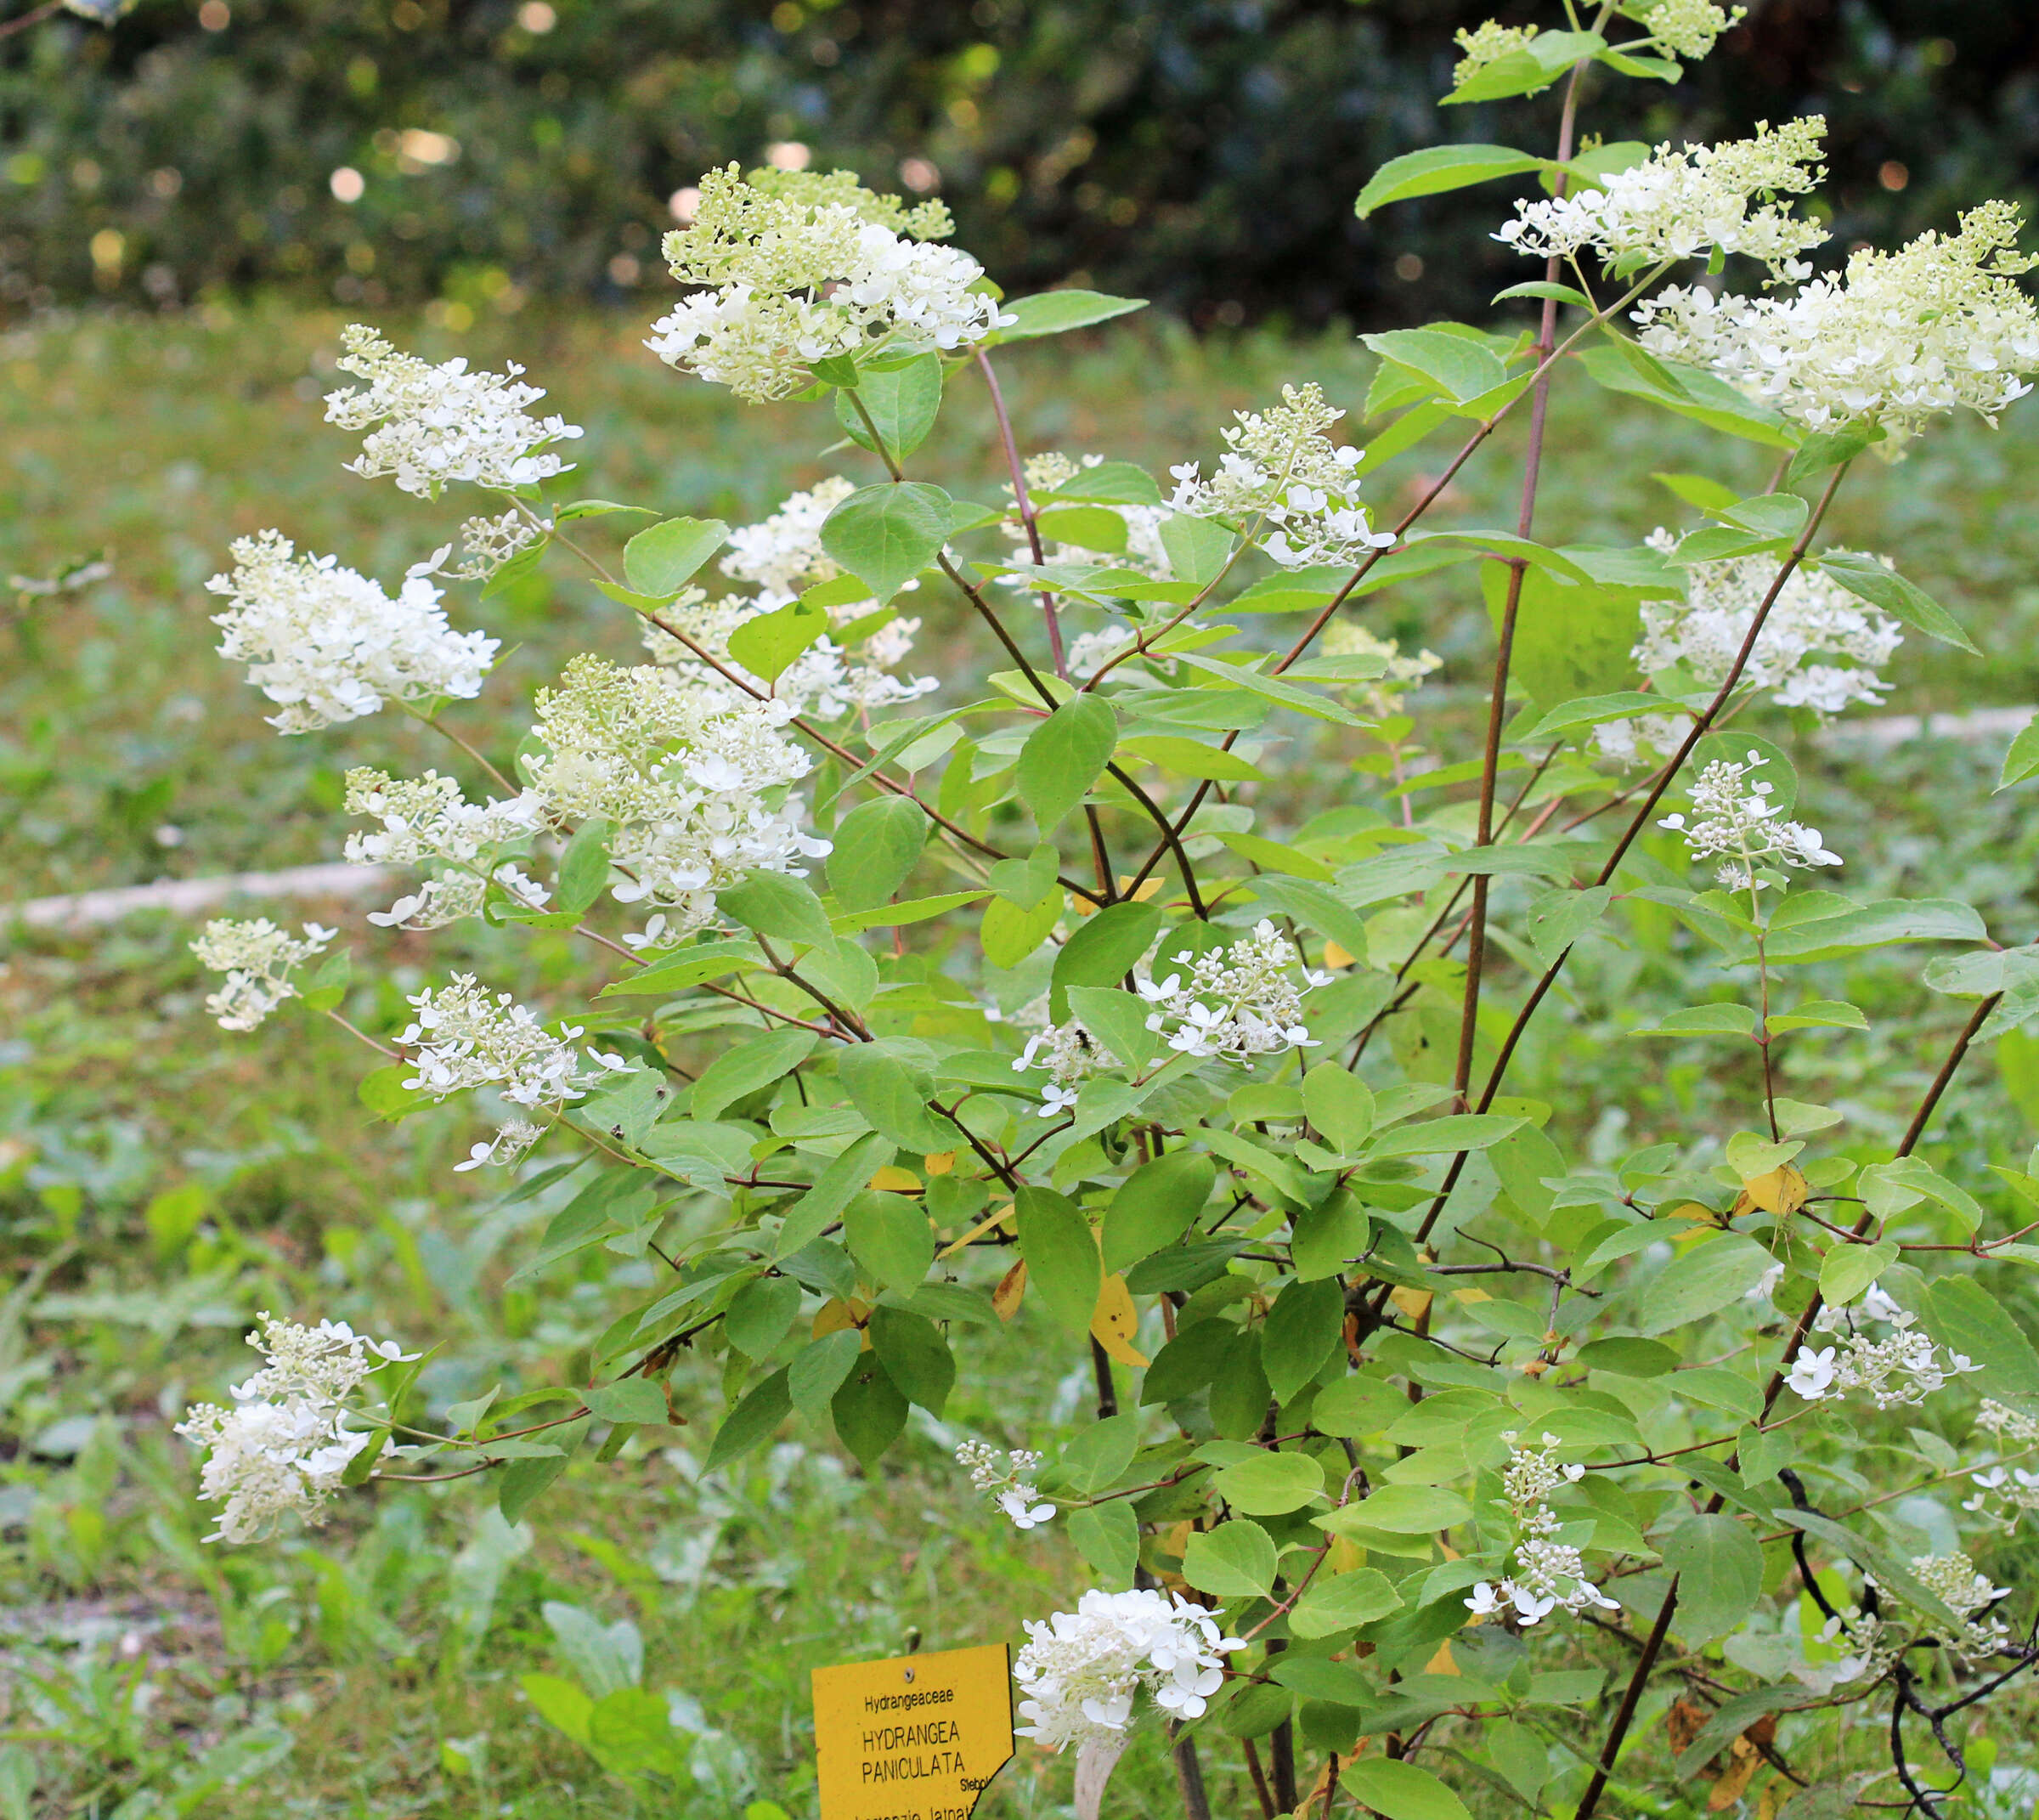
913	1737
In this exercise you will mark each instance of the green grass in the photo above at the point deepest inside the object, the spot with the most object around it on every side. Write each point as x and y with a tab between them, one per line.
162	1181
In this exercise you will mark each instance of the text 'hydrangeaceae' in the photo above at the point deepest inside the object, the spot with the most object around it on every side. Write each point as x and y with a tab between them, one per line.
694	780
1079	1671
284	1447
1677	204
258	958
428	424
1897	339
796	267
329	645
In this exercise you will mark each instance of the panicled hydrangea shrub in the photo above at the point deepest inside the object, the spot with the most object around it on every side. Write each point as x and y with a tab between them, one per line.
1168	990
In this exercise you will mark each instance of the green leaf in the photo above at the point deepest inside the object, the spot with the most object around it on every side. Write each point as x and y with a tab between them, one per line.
746	1067
1064	755
599	509
1965	1318
877	845
1328	1237
1058	312
584	868
1272	688
1305	1327
2022	760
1235	1560
1455	1131
660	562
885	535
1198	548
630	1734
1108	1537
1720	1569
618	1197
1098	1457
1572	640
1400	1790
754	1422
1860	927
1402	1510
1691	393
1010	933
1193	758
1866	578
633	1399
889	1236
1339	1105
1453	366
524	1481
869	1411
1559	918
1823	450
1115	482
1270	1484
1061	1254
916	1357
560	1703
326	989
1702	1020
1702	1281
819	1368
767	645
689	967
760	1314
1156	1206
1331	1605
1318	907
775	905
1697	489
1593	710
1820	1014
902	401
383	1091
893	1096
1542	288
1437	168
1102	950
822	1205
898	915
1847	1271
1629	1358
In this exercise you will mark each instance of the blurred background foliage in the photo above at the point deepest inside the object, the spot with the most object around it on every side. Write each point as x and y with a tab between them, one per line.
473	154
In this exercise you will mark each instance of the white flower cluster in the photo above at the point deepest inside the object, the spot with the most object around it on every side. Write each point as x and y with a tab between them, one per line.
694	781
1813	615
258	958
1079	1671
284	1447
1281	468
329	645
1902	1369
1047	471
2004	1494
1345	638
428	424
1744	830
1485	43
1549	1575
427	822
489	544
461	1036
1677	204
782	555
1952	1580
1005	1476
1687	28
1087	651
1893	341
1240	1001
1071	1055
796	267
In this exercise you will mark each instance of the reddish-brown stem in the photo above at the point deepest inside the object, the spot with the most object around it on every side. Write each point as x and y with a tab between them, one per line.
1025	504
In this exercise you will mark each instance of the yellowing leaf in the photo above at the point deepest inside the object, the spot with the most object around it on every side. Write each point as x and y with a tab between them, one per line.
1334	956
1471	1295
1147	890
899	1180
976	1232
1780	1191
1116	1321
942	1163
836	1315
1700	1216
1442	1663
1005	1298
1413	1302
